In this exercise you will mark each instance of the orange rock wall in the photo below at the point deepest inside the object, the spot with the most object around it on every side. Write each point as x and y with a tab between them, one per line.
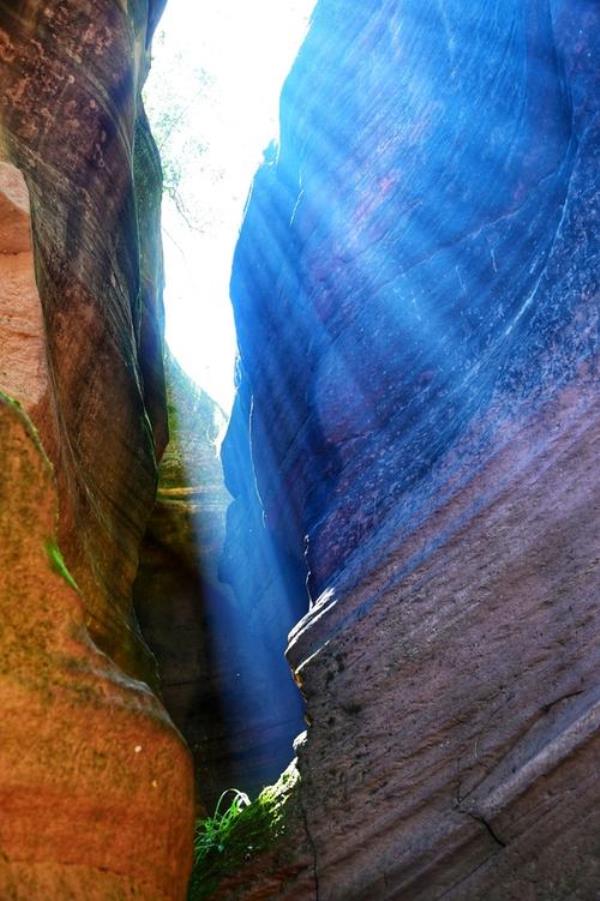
96	786
72	124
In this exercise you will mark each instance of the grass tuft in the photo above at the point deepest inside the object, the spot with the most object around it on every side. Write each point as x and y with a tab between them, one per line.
58	564
234	834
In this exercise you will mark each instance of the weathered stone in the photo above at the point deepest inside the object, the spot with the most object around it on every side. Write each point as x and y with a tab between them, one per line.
70	119
23	369
177	593
416	296
270	599
94	786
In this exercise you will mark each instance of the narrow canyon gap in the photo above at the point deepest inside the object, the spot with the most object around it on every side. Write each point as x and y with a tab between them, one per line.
414	438
212	98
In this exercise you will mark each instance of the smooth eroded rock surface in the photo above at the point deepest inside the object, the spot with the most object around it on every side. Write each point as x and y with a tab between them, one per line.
180	603
416	296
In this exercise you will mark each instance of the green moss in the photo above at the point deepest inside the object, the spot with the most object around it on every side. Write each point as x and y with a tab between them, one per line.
58	564
230	838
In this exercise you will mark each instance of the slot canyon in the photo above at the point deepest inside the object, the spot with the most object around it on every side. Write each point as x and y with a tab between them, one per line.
387	586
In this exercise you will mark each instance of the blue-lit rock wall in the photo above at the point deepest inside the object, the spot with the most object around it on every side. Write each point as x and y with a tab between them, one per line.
416	298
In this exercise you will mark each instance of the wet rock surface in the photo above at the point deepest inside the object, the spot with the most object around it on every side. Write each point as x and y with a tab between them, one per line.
416	290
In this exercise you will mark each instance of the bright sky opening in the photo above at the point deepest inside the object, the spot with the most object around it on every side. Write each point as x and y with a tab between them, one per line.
213	100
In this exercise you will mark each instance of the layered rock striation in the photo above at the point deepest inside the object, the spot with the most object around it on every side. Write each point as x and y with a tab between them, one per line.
96	784
73	126
95	787
415	290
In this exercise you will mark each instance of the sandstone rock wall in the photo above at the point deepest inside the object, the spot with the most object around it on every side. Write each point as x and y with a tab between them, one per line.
24	373
72	125
96	785
416	297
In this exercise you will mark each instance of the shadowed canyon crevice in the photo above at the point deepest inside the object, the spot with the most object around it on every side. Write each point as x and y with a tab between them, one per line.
413	448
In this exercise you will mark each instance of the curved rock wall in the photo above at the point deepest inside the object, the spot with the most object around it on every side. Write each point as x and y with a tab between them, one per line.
71	121
415	289
96	785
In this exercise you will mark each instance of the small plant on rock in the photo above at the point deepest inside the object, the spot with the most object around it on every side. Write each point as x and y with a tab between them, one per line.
234	834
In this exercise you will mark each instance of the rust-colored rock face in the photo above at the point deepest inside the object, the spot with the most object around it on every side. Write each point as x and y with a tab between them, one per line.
69	115
96	786
93	781
416	292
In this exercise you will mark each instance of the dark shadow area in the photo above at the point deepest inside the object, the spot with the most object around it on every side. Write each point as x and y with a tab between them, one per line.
219	649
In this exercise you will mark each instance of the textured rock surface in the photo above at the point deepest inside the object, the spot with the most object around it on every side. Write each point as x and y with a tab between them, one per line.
96	786
69	114
23	372
416	294
271	596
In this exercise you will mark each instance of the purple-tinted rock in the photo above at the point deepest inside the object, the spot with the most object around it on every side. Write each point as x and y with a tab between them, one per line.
416	296
73	125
